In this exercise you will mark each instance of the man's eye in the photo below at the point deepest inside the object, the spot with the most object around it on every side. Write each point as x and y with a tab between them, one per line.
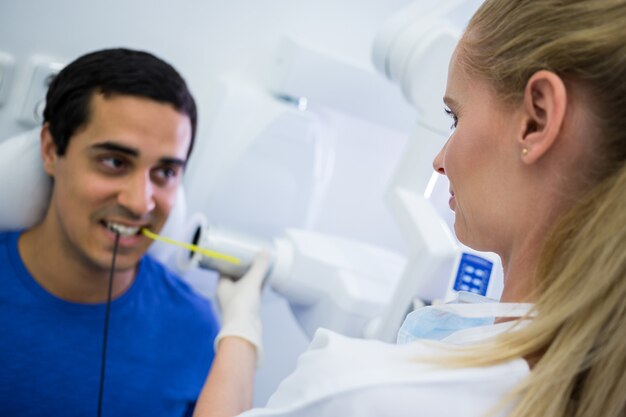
113	162
167	173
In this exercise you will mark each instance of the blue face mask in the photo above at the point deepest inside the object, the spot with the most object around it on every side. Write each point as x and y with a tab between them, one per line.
437	322
434	324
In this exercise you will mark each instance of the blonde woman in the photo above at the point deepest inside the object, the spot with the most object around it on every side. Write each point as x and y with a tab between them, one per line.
536	163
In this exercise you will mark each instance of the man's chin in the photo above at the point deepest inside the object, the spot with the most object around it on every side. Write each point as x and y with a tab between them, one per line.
124	260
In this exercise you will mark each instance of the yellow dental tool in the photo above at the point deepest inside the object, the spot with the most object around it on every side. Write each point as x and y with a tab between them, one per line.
191	247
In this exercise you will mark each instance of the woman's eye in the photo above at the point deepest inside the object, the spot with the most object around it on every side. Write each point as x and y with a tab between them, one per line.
455	120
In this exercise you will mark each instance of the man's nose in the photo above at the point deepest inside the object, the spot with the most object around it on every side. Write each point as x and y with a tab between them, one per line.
137	194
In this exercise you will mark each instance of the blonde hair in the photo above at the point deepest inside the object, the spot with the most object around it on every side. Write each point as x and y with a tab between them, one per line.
577	342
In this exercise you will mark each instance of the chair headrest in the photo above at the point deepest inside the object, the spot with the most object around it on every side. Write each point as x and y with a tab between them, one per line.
24	185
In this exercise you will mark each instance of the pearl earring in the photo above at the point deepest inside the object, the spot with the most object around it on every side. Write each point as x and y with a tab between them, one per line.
524	152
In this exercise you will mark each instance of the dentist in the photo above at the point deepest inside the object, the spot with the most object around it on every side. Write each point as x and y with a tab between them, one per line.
537	167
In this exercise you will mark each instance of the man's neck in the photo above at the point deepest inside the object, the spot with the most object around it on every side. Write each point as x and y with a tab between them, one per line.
66	275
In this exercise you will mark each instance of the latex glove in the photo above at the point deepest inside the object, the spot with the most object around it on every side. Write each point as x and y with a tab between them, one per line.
240	302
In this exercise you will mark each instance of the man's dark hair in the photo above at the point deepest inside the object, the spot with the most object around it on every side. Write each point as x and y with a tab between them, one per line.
112	71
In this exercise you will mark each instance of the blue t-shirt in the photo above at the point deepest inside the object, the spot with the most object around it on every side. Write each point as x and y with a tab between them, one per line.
159	348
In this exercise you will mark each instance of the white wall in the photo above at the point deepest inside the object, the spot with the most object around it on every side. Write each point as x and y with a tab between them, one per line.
202	38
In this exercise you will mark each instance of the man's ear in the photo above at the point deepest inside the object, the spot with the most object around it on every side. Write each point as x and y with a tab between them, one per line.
545	102
49	154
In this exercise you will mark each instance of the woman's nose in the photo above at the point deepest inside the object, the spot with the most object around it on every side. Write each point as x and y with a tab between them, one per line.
438	161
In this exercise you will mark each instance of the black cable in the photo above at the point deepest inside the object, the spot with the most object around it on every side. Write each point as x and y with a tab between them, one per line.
106	325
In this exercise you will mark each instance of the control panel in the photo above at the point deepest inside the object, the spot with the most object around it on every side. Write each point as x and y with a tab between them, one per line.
473	274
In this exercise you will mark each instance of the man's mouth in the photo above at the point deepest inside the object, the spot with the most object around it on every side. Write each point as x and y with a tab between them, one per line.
122	229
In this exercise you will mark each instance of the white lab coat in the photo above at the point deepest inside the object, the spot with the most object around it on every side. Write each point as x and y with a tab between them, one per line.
341	376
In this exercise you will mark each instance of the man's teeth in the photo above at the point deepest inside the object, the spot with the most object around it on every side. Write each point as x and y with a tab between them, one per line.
123	230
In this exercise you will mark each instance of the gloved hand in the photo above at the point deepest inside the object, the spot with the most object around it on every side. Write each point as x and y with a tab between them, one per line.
240	301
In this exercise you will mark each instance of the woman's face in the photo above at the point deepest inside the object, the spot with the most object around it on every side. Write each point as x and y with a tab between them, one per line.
481	160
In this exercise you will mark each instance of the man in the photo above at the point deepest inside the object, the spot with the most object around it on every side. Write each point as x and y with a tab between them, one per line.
118	129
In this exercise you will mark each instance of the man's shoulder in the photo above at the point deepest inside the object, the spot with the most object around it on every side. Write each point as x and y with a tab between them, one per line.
154	268
7	235
8	241
163	280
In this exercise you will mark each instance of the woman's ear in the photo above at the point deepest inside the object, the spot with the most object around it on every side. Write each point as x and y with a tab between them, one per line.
49	154
545	102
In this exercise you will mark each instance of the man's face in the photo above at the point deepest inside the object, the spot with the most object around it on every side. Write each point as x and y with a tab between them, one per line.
123	167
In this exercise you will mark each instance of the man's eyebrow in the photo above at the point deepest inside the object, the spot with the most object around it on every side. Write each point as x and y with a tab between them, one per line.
173	161
112	146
